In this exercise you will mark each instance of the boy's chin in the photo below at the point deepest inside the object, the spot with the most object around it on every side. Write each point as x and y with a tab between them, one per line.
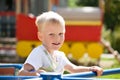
56	49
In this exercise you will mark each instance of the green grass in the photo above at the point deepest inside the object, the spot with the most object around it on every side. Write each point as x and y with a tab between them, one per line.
114	76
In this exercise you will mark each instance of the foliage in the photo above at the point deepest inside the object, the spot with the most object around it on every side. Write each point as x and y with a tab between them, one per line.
87	3
71	3
112	14
116	40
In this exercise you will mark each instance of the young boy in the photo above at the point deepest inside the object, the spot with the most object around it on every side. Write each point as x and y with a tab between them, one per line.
46	57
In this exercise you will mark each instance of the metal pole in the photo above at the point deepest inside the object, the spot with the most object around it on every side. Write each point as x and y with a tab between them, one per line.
18	6
17	66
93	74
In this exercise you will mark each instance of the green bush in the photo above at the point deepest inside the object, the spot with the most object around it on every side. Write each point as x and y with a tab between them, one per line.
116	39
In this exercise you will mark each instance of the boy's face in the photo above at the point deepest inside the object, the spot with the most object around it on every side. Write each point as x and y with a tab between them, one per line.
52	36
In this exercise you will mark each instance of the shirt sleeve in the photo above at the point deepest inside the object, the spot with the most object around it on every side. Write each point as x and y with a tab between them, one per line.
35	58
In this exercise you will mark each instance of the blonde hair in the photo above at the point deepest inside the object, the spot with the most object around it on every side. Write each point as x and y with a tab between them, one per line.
49	16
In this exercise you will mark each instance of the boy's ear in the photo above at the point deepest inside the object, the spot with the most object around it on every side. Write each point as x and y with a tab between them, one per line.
39	36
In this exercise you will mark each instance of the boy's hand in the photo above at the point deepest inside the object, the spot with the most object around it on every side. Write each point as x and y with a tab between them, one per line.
40	71
97	69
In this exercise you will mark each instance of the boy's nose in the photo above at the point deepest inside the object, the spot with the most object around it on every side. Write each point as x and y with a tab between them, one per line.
57	37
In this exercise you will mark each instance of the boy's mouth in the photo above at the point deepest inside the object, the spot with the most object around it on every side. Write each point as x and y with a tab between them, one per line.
56	43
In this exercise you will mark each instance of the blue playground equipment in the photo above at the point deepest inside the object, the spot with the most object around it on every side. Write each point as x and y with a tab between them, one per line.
57	76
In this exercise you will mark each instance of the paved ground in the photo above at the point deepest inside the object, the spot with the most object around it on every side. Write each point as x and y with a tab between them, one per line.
107	63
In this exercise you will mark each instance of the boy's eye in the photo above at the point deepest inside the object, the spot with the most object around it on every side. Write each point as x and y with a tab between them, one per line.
51	34
61	34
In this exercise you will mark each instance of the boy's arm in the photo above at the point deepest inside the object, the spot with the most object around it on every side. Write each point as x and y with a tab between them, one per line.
28	70
75	69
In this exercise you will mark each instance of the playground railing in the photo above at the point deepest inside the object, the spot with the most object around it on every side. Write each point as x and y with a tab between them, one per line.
57	76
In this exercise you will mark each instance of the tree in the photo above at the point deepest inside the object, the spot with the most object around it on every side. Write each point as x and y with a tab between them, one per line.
112	14
87	3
